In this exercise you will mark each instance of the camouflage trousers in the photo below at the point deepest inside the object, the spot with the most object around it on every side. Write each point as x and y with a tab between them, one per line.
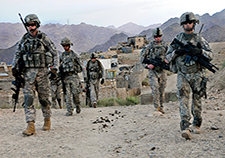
187	83
56	93
157	83
94	90
41	85
73	89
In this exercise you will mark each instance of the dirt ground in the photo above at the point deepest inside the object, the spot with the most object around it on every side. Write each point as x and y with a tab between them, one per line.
118	131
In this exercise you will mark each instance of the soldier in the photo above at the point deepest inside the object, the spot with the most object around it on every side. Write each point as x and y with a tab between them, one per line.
95	72
37	51
157	75
56	88
190	75
70	66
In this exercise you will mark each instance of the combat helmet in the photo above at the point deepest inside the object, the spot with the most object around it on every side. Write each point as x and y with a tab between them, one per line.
157	32
93	56
32	18
66	41
188	16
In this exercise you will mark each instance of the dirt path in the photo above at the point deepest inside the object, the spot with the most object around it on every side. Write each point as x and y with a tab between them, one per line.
111	132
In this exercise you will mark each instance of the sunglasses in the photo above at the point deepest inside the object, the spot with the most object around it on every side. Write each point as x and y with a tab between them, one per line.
188	22
67	45
157	36
32	24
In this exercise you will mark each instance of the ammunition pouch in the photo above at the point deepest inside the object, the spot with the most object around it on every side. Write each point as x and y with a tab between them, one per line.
193	67
189	69
93	75
35	60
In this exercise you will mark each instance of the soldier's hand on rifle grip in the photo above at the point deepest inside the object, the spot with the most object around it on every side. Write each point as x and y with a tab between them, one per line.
180	51
150	66
195	51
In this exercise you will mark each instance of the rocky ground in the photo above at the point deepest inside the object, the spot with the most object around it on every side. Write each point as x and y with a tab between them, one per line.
118	131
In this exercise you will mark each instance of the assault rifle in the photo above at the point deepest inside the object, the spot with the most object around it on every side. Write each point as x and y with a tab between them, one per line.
19	81
157	61
200	58
62	77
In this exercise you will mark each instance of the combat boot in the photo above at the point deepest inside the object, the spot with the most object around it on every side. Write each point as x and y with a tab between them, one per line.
69	113
95	104
78	109
196	130
197	122
30	129
184	126
160	109
186	134
47	124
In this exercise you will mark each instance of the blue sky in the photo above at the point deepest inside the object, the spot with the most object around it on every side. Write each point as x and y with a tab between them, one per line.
105	12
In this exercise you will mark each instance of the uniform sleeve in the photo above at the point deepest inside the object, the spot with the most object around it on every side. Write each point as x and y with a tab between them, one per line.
100	67
144	54
170	54
206	50
17	54
78	59
52	49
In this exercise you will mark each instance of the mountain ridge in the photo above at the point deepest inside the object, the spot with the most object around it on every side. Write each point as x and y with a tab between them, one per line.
87	37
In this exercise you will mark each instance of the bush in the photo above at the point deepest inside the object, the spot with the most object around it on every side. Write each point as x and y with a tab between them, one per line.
106	102
133	100
122	102
118	101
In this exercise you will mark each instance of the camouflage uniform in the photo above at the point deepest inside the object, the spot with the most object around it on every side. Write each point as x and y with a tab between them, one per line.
56	88
34	51
71	66
95	72
157	76
189	77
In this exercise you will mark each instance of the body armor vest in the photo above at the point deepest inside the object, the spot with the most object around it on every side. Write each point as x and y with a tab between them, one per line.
94	70
69	64
191	67
157	50
34	53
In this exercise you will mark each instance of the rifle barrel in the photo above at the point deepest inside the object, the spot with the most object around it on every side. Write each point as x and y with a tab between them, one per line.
23	21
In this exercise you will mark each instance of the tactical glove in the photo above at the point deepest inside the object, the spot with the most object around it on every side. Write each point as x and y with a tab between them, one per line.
195	51
180	51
